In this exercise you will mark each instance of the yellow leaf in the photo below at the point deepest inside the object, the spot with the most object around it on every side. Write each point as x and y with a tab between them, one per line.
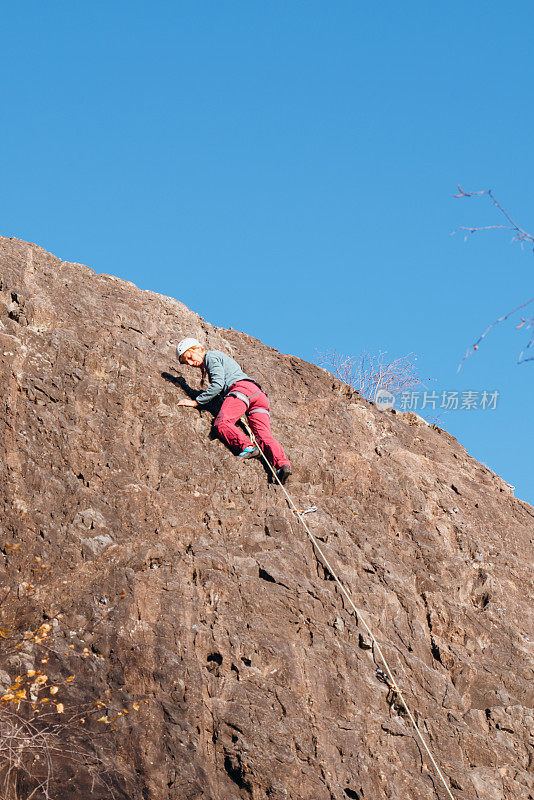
104	719
31	673
21	694
135	706
54	690
60	708
41	679
45	699
70	678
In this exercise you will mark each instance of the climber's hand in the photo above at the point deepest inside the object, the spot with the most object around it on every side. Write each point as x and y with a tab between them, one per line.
188	402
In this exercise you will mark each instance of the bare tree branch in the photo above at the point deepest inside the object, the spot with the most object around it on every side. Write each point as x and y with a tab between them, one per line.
368	373
520	235
476	345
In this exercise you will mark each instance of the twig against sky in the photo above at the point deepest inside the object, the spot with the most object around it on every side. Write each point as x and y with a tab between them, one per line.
520	235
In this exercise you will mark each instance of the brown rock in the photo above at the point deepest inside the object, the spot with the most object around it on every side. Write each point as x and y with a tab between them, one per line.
179	586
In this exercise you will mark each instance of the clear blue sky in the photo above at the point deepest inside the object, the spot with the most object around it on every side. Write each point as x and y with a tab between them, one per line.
287	169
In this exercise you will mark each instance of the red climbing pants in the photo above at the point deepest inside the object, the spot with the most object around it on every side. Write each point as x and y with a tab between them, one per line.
259	420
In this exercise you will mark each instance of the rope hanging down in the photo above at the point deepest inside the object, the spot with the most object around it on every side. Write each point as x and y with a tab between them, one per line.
358	613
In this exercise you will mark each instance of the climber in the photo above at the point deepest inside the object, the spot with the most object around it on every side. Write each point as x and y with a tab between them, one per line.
242	395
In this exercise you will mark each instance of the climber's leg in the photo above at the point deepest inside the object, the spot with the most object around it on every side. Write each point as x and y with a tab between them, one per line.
260	424
225	424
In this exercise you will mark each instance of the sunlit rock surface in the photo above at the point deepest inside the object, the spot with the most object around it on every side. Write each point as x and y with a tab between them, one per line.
185	598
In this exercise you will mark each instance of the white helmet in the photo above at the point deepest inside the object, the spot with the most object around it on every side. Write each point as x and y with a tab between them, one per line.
185	344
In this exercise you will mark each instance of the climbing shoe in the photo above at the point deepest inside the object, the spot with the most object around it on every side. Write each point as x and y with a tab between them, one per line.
283	473
249	452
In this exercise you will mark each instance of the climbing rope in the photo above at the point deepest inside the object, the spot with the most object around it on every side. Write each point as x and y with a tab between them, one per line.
358	613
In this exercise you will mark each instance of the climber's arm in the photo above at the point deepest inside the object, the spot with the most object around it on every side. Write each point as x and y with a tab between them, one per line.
215	370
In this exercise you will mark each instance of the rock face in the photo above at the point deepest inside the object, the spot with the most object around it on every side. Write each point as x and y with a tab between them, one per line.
213	657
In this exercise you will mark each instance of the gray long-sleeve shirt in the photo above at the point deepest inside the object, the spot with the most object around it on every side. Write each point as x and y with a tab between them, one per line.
222	371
